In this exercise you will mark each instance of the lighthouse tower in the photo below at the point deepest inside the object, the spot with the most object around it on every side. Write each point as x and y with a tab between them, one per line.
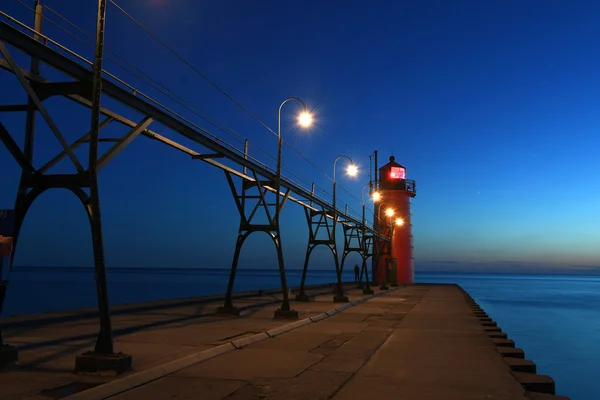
393	219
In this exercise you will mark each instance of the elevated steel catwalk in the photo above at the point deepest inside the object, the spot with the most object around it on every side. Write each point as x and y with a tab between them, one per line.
89	83
43	53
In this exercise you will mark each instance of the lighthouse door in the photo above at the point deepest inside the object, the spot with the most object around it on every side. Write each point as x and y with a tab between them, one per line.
390	270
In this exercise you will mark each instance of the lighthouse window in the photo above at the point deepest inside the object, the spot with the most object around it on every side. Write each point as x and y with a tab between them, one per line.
397	173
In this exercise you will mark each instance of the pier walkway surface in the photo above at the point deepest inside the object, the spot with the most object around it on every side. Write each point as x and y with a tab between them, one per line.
415	342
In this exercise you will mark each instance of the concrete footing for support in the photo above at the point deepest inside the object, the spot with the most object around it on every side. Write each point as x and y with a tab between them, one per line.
302	297
368	291
102	364
8	355
340	299
285	314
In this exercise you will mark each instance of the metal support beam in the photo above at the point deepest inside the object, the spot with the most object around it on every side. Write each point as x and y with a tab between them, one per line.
352	241
118	147
51	181
206	156
250	192
104	343
14	108
14	149
186	129
34	67
367	243
38	104
26	164
76	144
320	232
339	297
49	89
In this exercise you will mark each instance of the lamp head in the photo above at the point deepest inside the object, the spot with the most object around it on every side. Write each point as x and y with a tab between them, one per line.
352	170
305	119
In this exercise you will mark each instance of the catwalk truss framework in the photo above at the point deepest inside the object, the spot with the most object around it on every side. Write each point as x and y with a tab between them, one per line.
87	87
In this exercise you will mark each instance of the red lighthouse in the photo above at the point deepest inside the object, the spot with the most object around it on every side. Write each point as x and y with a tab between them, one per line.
393	219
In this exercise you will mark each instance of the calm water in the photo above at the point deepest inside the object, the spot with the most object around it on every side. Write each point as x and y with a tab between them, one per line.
554	318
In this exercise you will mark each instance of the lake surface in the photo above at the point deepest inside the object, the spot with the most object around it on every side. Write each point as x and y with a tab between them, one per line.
554	318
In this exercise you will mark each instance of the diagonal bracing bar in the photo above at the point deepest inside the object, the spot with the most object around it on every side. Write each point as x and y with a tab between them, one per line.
125	140
15	150
76	144
38	104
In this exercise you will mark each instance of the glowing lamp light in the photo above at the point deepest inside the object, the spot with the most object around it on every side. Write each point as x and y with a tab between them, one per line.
399	221
376	196
397	173
352	170
305	119
389	212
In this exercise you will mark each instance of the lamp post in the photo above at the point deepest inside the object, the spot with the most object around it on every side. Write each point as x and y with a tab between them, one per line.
352	170
305	120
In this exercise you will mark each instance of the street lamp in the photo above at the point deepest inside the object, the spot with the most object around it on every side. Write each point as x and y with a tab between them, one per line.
305	120
351	170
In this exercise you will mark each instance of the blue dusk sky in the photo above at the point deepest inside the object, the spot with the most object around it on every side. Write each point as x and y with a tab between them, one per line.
491	105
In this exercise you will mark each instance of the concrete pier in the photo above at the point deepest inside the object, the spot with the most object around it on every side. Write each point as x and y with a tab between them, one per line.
416	342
